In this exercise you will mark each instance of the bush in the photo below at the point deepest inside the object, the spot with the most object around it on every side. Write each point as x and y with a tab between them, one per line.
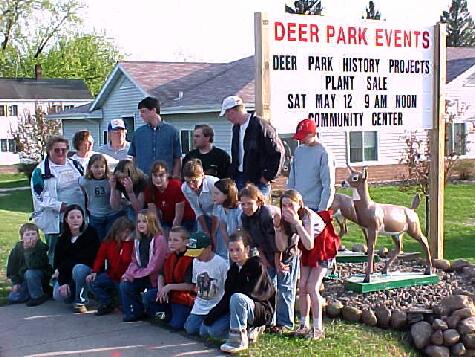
464	169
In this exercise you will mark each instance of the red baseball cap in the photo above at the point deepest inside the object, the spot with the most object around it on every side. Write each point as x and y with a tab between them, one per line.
305	127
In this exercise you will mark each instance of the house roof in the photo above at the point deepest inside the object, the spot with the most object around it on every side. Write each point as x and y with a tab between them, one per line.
30	88
79	112
459	60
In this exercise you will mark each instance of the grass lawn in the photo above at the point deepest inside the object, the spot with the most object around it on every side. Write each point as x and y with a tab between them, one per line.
13	180
343	339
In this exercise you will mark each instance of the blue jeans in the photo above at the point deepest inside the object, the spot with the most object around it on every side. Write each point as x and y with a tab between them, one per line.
31	288
103	288
130	295
51	240
176	313
241	311
77	288
103	224
194	325
285	284
219	329
242	181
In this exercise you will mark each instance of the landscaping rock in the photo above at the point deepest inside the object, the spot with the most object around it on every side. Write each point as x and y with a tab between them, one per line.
442	264
451	337
469	341
465	312
413	318
467	326
469	353
453	321
454	302
351	314
421	333
383	314
459	264
369	318
437	338
437	351
334	309
398	319
458	349
439	324
361	248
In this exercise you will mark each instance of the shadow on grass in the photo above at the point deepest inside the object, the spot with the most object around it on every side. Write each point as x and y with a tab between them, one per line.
17	201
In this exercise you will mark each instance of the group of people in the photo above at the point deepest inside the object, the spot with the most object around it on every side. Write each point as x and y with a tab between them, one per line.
195	242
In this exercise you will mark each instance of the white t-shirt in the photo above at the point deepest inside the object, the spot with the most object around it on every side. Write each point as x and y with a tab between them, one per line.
209	278
67	188
242	133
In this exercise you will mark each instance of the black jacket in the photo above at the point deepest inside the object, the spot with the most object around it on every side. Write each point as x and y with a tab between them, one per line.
82	251
263	151
253	281
20	260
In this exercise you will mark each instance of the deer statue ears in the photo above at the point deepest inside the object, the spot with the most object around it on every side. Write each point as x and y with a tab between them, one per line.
364	175
350	169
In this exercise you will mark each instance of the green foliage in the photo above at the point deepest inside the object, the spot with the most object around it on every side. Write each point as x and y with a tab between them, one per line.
460	25
305	7
371	12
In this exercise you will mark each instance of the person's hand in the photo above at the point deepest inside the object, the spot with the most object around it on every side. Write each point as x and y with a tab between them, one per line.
126	278
90	278
128	185
16	287
290	216
162	294
277	220
113	182
263	180
64	290
281	267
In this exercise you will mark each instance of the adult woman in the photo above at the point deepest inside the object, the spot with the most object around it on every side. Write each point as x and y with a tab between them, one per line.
83	142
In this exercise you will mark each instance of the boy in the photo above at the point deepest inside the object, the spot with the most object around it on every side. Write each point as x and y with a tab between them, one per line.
28	268
175	293
209	274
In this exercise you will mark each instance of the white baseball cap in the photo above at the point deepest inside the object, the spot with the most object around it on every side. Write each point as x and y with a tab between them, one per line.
230	102
116	124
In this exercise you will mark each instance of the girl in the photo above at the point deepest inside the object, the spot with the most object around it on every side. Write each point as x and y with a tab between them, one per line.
117	250
95	185
257	220
129	182
248	298
164	193
227	212
73	258
150	249
319	245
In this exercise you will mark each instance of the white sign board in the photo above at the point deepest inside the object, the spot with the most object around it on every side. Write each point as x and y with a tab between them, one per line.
365	75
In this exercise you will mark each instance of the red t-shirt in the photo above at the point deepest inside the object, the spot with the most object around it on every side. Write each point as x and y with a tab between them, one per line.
167	200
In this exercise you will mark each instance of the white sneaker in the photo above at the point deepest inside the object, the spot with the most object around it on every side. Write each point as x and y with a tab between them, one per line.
236	342
254	332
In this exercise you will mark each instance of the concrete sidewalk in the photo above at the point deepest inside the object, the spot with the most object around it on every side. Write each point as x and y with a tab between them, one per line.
52	329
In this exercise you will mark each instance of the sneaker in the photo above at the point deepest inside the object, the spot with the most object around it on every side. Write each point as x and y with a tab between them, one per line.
80	308
236	342
38	301
104	310
302	331
254	332
315	334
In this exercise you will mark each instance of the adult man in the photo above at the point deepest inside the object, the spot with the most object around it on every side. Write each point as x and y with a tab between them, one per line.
54	186
257	152
312	170
117	147
156	140
215	161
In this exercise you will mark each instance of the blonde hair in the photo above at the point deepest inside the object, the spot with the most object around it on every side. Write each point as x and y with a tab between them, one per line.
153	225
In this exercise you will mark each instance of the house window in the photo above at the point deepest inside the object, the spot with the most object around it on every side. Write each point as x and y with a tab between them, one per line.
13	110
456	142
12	146
363	146
3	110
186	138
3	145
65	107
129	125
56	108
104	137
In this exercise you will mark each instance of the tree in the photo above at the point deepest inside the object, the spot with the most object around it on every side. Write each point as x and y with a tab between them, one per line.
460	25
305	7
371	13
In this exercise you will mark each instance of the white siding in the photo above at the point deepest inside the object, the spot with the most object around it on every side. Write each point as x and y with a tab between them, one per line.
70	127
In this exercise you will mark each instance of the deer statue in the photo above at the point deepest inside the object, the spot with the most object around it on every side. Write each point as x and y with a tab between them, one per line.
386	219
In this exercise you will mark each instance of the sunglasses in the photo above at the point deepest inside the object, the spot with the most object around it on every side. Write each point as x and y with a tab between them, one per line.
60	150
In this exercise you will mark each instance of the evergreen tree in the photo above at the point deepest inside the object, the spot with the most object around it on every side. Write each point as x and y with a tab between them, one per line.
305	7
460	25
371	13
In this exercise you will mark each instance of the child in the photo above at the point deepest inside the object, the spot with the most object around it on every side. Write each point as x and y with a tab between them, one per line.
248	299
128	182
117	250
28	268
150	249
257	220
164	193
73	258
197	189
227	212
175	293
209	274
95	185
319	245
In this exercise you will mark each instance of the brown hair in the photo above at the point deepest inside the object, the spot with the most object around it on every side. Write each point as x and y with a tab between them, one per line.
28	227
182	230
252	192
228	187
94	158
153	226
81	136
240	235
296	197
55	139
207	131
193	168
120	225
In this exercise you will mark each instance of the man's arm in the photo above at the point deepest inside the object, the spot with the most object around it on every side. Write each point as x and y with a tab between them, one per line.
274	152
177	167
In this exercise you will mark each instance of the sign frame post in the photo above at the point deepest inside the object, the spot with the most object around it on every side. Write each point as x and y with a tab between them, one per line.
262	84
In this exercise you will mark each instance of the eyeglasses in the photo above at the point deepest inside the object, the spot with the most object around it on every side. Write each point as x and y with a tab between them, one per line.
60	150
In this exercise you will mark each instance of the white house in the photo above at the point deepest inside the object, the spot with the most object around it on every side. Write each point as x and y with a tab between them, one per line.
19	97
191	93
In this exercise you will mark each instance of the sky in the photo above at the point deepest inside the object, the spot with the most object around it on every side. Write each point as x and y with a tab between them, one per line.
221	30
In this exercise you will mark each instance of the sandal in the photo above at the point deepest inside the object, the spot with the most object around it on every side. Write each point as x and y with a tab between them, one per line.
302	331
315	334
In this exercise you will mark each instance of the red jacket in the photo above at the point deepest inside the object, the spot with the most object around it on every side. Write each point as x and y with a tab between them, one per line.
117	259
174	270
